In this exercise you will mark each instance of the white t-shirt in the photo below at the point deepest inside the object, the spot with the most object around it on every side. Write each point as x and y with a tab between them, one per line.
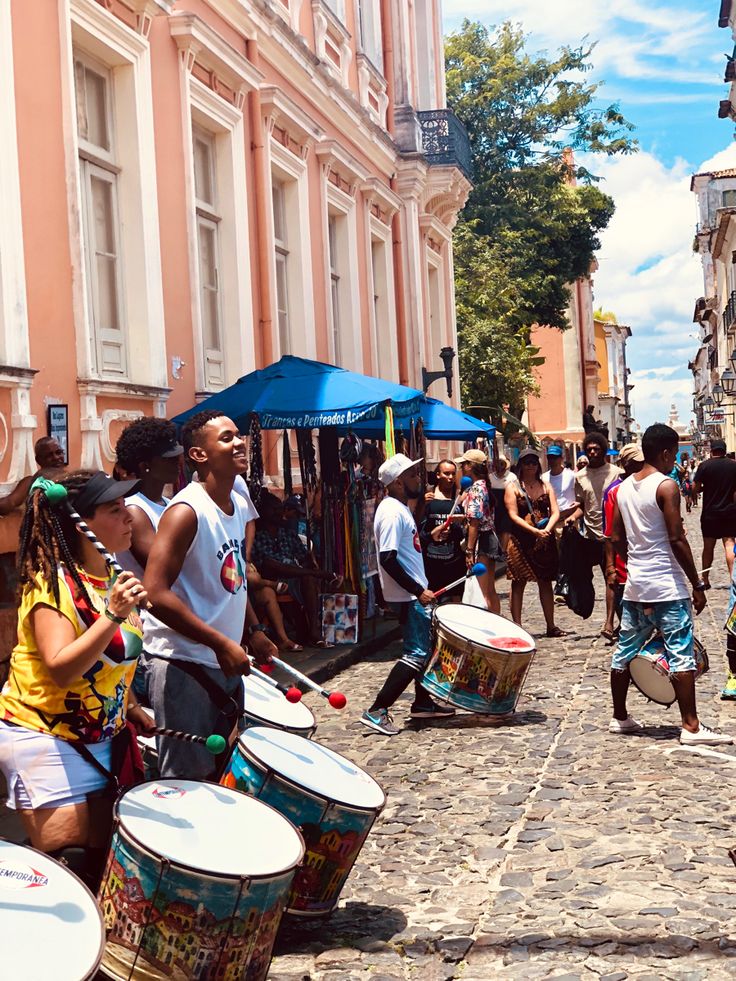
396	531
563	485
654	574
240	487
501	483
211	581
153	511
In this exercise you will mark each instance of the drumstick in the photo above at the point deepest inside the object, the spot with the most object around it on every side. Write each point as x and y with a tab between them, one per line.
465	484
213	744
336	698
290	694
477	570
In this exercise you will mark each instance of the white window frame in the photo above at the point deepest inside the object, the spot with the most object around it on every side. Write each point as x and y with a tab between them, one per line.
89	29
384	340
292	172
279	191
370	31
347	352
205	109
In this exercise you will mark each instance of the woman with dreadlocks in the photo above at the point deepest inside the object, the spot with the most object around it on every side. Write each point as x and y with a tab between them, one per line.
79	637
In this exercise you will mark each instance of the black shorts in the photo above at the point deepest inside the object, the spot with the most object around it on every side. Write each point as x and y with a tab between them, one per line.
717	527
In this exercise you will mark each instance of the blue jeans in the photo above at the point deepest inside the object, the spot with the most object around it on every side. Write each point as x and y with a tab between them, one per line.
417	635
673	619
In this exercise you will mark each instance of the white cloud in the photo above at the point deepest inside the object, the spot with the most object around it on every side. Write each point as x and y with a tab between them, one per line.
649	276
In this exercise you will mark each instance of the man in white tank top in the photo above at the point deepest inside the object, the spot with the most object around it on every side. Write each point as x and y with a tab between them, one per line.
196	633
649	536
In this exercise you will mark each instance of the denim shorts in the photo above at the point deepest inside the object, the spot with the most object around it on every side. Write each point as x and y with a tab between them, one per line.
417	638
673	619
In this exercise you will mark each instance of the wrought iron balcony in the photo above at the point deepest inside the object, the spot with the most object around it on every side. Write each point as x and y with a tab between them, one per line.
729	313
444	140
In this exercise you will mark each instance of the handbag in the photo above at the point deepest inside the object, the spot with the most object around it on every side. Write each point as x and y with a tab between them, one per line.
543	522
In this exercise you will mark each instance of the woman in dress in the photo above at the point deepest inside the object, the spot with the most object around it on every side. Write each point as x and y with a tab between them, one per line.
482	544
79	638
531	555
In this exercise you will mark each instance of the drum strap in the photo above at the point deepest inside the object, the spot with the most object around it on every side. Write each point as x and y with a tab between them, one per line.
227	705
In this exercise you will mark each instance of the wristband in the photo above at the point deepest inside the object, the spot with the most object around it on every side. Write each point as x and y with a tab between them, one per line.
257	628
699	587
111	616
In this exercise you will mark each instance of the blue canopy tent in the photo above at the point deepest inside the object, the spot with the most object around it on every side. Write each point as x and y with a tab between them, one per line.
295	393
440	421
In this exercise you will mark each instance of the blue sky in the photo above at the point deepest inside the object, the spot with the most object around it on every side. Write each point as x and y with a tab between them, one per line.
663	61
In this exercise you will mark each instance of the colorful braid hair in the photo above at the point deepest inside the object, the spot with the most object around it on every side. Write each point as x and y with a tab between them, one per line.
48	539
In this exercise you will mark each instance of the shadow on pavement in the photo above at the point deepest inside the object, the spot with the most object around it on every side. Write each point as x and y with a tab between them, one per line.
353	922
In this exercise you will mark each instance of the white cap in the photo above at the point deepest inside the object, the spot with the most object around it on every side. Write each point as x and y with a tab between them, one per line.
394	467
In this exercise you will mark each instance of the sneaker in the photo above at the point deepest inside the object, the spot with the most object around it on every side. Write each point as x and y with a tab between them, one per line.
704	737
431	711
729	689
623	727
381	721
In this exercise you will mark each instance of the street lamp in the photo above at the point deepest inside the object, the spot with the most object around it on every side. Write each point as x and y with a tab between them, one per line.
709	403
447	356
728	381
732	359
718	394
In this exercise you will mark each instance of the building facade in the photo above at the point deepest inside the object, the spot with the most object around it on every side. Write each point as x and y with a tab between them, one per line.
192	189
613	379
715	309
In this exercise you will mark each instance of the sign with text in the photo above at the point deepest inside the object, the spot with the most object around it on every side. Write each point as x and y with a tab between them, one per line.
58	427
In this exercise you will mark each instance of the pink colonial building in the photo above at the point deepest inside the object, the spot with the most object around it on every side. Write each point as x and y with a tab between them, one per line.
191	189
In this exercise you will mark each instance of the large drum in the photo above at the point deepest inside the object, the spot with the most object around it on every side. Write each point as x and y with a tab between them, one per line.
479	660
266	706
50	925
195	883
331	800
650	670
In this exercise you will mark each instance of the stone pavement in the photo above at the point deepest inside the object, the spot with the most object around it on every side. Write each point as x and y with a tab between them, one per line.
539	847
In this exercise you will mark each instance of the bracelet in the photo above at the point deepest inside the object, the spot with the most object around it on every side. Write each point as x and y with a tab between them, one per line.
257	628
111	616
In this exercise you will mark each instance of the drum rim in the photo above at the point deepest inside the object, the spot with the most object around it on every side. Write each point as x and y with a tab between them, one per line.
477	643
316	793
269	724
641	691
96	906
118	824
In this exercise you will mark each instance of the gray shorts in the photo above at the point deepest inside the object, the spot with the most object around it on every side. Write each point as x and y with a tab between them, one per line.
180	702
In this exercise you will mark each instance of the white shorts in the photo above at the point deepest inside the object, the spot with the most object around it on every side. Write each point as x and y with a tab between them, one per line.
44	771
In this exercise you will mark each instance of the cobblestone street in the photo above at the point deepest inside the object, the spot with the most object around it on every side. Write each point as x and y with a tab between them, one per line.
541	847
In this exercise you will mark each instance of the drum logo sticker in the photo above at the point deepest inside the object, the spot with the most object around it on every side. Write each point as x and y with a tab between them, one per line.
16	875
170	793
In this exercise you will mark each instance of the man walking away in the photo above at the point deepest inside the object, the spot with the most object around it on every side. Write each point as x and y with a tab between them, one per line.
632	460
648	534
404	583
716	479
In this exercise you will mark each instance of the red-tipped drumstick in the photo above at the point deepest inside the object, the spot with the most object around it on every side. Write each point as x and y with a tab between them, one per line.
290	694
477	570
465	484
336	698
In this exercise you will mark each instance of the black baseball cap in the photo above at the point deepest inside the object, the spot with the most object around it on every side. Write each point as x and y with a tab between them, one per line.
167	448
101	489
718	444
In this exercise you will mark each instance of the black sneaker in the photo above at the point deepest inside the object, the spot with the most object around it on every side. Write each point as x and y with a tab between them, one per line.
431	711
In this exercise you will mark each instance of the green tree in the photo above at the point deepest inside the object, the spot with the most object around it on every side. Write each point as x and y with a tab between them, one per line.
531	225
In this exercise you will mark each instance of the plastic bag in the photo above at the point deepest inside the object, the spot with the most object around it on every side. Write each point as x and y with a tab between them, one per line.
473	594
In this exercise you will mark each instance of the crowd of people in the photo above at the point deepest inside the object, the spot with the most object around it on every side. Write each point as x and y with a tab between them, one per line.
204	573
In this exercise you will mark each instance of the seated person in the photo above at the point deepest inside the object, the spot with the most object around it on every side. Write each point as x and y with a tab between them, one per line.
264	595
68	695
49	456
279	553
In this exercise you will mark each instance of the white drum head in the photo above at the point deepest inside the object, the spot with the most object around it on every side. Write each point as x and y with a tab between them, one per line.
264	702
50	925
313	767
484	628
210	828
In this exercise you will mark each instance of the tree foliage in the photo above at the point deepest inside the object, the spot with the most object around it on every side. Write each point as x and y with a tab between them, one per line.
531	224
